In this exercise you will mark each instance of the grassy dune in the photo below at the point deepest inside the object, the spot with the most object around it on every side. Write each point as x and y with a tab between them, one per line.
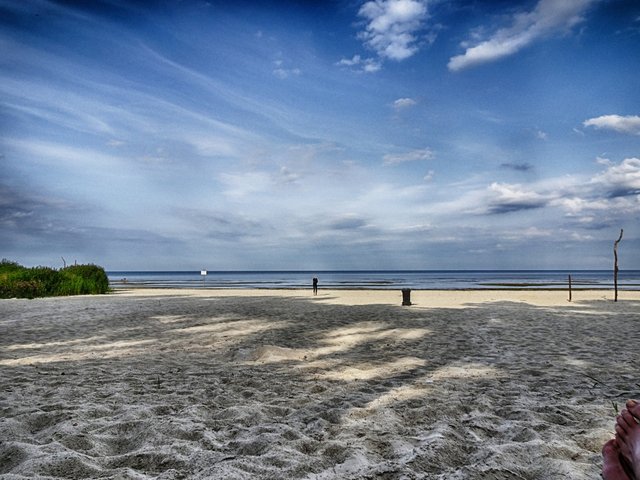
22	282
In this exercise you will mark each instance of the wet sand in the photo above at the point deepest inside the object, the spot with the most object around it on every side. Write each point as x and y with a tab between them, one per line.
241	384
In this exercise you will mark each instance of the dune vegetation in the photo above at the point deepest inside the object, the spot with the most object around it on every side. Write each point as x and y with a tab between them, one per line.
24	282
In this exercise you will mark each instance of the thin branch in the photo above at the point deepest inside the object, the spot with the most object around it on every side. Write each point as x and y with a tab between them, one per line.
615	265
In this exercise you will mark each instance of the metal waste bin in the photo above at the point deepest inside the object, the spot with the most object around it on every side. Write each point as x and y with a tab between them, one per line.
406	296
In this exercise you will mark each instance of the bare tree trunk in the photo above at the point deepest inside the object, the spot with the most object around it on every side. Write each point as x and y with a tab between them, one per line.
615	265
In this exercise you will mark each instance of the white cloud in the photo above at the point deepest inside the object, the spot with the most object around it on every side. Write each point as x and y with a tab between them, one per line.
505	198
615	190
624	124
548	17
415	155
392	26
597	212
621	180
403	103
350	62
368	65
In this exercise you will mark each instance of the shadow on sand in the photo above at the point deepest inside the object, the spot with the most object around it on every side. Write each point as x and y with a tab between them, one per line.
265	387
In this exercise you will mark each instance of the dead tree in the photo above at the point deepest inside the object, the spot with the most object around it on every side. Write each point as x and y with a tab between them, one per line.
615	265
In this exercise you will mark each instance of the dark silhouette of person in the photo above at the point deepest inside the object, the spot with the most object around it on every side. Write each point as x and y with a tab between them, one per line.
315	285
622	454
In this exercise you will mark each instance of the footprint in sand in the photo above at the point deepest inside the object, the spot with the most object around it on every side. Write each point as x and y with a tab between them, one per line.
124	437
65	465
10	457
41	421
148	462
77	442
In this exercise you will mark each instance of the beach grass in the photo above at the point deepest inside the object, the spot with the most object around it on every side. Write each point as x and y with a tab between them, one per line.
17	281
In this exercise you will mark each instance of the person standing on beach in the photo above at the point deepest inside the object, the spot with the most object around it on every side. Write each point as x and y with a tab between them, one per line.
315	285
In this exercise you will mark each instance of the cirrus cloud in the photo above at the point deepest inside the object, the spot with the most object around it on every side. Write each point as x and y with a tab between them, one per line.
412	156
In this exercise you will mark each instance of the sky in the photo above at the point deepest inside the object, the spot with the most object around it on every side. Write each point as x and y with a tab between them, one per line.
319	135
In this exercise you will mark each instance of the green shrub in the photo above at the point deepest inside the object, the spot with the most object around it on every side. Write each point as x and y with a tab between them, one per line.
21	289
7	266
46	278
82	280
22	282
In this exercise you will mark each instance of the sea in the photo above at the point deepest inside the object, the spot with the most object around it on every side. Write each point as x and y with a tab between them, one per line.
380	279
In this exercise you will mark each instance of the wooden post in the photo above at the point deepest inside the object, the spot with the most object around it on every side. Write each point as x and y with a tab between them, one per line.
569	287
615	265
406	296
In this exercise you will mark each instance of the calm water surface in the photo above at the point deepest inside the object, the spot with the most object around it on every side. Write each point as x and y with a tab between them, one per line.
376	279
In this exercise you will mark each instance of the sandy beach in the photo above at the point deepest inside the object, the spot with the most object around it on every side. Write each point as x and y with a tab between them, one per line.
266	384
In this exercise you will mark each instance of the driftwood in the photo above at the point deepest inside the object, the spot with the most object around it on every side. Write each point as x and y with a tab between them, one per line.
615	265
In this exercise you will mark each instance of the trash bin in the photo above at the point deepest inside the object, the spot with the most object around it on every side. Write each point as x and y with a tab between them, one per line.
406	296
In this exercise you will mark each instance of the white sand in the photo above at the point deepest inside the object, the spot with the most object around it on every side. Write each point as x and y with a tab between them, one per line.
239	384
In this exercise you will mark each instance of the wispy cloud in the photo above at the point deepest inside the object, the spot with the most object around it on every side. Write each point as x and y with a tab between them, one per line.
282	72
286	175
242	185
27	211
548	17
412	156
629	124
66	156
219	225
392	26
347	222
519	167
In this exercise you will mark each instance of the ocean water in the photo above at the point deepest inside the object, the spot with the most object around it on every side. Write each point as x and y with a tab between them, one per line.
380	279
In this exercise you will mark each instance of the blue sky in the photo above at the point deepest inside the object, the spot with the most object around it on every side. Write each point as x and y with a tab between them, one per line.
320	135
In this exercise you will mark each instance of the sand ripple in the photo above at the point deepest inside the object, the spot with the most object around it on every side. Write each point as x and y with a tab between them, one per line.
171	387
